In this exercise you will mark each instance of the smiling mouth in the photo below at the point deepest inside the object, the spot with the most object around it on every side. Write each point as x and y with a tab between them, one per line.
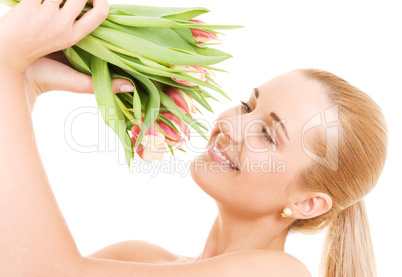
218	156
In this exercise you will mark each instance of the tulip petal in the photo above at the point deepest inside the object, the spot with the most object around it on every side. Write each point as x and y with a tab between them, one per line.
177	121
178	99
201	36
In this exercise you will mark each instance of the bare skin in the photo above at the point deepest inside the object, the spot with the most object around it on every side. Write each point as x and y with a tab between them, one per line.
248	223
248	236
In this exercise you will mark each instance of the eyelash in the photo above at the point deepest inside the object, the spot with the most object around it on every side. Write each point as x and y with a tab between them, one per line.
247	109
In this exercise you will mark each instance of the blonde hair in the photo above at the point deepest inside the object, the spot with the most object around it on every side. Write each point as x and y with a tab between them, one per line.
359	155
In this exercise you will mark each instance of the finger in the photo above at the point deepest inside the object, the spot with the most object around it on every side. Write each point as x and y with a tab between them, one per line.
121	86
77	82
30	2
73	8
65	78
91	19
84	85
54	75
49	6
52	2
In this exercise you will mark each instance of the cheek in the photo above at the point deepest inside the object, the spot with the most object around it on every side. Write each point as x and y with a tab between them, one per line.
261	192
256	148
253	191
263	180
258	156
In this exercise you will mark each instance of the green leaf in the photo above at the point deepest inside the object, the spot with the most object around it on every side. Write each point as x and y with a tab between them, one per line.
167	12
165	37
153	51
206	51
198	110
198	97
186	15
9	3
207	27
126	112
95	47
135	100
171	149
215	69
155	74
206	94
79	59
182	150
143	21
186	35
109	109
126	97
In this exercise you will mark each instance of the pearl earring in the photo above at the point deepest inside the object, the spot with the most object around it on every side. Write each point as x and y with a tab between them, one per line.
287	212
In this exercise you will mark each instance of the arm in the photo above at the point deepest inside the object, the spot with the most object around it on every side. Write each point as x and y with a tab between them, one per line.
136	251
34	237
32	229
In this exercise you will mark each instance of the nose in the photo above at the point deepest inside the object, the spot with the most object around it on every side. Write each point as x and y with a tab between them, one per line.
240	129
231	127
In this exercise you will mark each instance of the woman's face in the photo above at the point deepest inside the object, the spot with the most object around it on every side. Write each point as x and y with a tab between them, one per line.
256	149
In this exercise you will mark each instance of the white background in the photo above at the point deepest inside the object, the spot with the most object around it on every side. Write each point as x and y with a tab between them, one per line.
103	202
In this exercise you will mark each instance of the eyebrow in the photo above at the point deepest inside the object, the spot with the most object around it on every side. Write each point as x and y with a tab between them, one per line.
256	93
274	116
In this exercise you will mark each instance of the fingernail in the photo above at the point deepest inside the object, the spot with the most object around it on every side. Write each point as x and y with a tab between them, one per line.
126	88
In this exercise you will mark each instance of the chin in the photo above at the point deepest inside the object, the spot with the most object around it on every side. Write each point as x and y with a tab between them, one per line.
196	169
211	178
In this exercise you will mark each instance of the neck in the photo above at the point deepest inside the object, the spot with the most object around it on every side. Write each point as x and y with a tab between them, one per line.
232	233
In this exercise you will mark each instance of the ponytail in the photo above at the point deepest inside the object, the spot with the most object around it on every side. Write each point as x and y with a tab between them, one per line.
348	249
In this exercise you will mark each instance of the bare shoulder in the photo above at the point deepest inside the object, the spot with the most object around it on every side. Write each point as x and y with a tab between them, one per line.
256	263
260	263
136	251
282	264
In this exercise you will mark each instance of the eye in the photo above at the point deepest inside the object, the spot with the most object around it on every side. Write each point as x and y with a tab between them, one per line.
246	107
267	135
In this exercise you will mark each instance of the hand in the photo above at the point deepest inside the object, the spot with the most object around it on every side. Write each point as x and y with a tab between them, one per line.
55	73
32	30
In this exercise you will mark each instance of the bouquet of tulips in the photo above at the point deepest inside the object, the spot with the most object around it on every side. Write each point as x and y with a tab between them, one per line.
164	52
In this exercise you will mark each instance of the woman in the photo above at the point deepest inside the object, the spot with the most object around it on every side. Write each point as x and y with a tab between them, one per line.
330	137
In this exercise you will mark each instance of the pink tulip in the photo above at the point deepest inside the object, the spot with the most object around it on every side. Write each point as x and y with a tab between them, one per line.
172	138
201	36
209	73
152	145
196	71
182	100
177	121
175	139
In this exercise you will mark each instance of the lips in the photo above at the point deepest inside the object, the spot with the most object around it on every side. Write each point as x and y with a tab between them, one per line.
216	153
220	149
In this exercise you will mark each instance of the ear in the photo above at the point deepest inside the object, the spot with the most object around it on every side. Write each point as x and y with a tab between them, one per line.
313	206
